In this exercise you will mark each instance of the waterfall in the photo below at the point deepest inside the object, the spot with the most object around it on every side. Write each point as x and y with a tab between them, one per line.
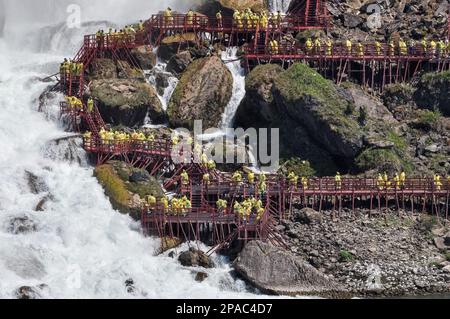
79	247
279	5
233	63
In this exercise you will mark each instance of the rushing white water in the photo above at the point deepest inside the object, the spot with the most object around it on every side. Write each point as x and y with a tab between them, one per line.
81	247
279	5
234	65
172	81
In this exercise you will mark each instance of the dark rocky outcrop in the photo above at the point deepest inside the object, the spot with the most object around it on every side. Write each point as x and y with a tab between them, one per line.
179	62
36	184
21	225
125	192
144	56
433	92
195	258
203	92
276	271
201	276
326	111
171	45
127	102
27	292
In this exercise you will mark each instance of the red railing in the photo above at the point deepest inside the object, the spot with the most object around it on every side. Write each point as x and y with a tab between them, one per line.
369	51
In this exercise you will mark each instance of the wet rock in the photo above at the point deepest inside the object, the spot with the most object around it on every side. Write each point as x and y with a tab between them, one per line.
129	285
127	102
145	57
168	243
446	269
307	216
125	193
273	270
179	62
36	184
203	92
162	82
67	149
195	258
201	276
40	207
26	292
21	225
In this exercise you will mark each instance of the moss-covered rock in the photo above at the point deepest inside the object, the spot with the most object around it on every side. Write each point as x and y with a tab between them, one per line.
102	69
127	187
204	90
325	110
257	107
126	71
433	92
127	102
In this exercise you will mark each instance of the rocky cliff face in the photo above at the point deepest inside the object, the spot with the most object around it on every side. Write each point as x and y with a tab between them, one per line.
332	127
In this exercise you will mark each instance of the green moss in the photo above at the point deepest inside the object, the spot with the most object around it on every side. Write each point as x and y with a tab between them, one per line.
300	82
345	256
383	160
447	255
114	186
429	118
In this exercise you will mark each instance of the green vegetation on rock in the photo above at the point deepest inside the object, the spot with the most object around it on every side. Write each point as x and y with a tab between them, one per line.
127	187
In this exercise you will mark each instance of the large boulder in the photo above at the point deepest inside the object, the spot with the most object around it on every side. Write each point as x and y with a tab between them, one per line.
203	92
127	102
322	108
144	56
276	271
195	258
102	69
179	62
433	92
127	187
257	106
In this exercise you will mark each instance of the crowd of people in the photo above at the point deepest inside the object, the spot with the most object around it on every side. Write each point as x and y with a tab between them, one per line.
248	209
70	67
434	48
115	36
175	207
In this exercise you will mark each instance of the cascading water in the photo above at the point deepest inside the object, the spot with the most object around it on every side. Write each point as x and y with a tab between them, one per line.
234	65
79	247
279	5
